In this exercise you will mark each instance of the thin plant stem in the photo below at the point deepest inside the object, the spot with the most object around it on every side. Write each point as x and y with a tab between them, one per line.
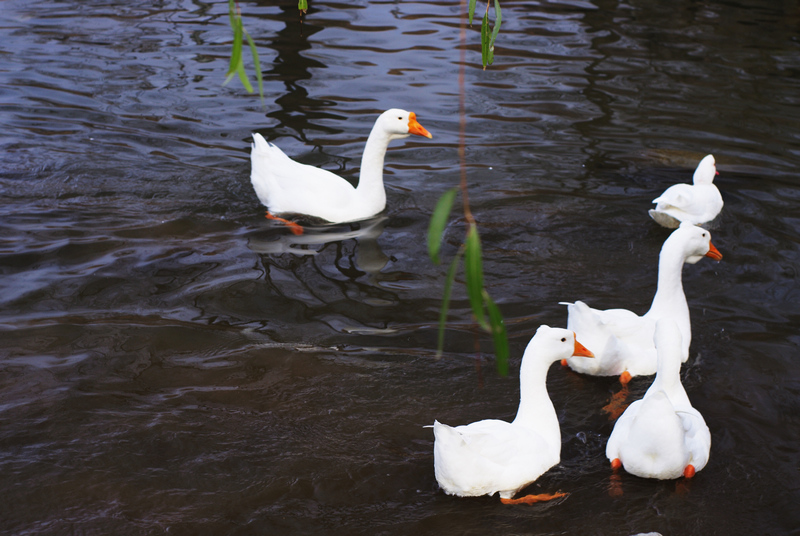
462	114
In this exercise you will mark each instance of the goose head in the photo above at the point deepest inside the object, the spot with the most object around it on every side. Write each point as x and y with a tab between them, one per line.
706	170
696	243
554	344
399	124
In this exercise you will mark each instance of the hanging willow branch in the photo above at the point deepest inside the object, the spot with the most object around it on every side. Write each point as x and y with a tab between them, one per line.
485	311
236	66
488	35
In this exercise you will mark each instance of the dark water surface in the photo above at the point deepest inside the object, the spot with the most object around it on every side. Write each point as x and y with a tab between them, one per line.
170	361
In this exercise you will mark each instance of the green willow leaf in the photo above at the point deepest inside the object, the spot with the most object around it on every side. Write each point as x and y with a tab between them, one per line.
438	222
228	79
485	35
498	18
236	53
473	269
302	5
257	65
471	10
236	26
243	77
499	334
448	291
232	12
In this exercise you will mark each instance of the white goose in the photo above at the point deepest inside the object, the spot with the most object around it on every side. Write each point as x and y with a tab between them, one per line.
693	203
289	187
661	436
621	340
492	456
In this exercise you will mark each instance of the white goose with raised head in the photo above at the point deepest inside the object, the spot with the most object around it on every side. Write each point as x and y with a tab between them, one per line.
494	456
621	340
291	188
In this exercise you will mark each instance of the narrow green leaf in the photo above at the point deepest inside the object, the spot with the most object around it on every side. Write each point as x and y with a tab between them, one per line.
485	34
243	77
471	10
236	53
499	334
257	65
438	222
448	290
302	5
236	26
498	18
228	79
232	11
473	269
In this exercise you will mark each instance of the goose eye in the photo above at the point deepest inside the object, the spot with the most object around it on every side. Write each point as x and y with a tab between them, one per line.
563	339
399	118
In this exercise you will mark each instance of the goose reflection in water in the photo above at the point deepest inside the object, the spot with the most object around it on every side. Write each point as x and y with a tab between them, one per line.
367	259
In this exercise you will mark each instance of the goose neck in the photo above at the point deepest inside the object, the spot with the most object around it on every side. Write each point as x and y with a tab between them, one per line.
536	410
668	371
669	294
668	379
371	175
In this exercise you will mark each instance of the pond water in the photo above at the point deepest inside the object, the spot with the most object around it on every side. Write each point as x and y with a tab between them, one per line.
171	361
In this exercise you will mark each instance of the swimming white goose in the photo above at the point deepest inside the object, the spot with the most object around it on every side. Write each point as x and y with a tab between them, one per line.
661	436
621	340
693	203
492	456
289	187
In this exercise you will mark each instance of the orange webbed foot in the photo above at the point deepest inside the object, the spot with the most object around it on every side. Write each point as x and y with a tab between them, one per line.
625	378
689	471
531	499
293	227
564	363
617	404
615	480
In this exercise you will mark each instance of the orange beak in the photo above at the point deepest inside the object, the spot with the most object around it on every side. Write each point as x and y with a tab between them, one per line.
581	350
713	252
415	128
